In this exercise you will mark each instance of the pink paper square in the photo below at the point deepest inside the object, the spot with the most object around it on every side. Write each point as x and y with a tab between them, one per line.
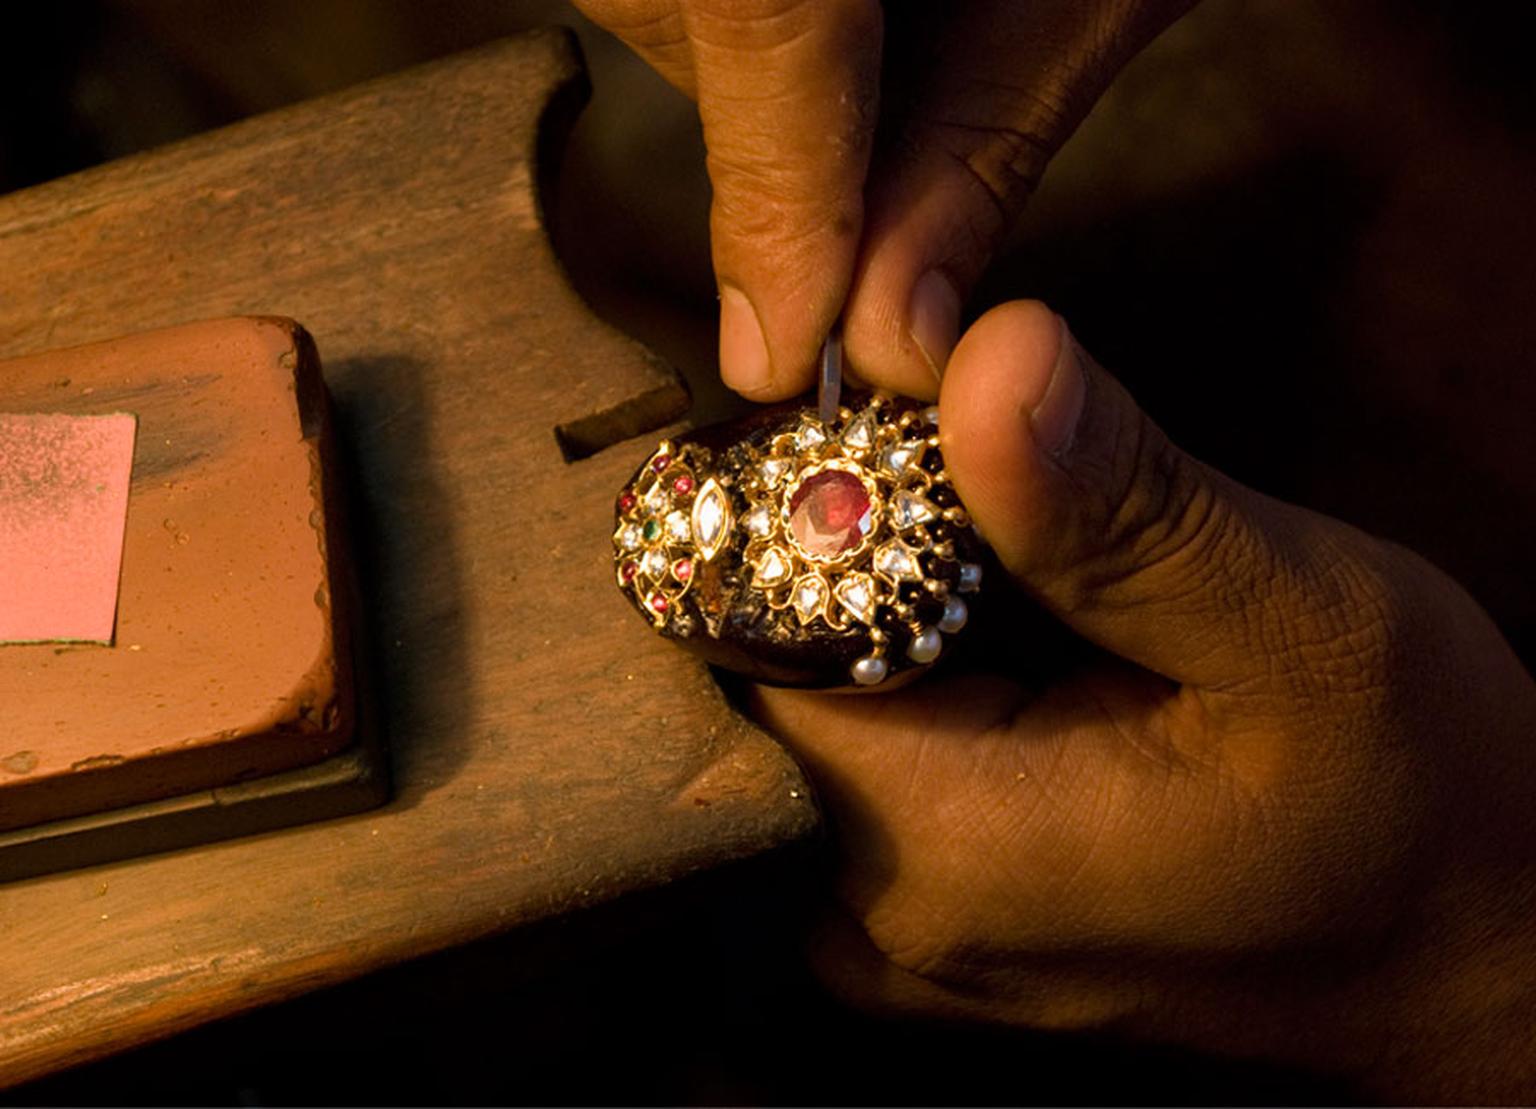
63	509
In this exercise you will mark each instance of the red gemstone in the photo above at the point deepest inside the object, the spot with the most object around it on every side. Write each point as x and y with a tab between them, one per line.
626	501
683	485
830	513
682	569
627	572
658	602
661	462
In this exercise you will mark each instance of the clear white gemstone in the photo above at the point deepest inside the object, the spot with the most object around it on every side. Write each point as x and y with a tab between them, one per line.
908	510
955	614
925	645
859	435
869	670
773	568
810	435
774	471
931	415
653	564
711	520
677	526
897	562
901	456
856	593
655	497
810	597
629	537
759	522
970	577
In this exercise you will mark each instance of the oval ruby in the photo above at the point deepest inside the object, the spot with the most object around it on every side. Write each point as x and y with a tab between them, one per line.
830	513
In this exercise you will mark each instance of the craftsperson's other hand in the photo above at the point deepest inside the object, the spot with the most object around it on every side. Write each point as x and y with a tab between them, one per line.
978	98
1283	808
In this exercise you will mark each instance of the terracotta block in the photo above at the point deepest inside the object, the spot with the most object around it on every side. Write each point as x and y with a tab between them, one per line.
230	660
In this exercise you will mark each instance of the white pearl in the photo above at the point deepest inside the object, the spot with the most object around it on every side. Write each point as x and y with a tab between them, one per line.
870	670
925	646
970	577
954	617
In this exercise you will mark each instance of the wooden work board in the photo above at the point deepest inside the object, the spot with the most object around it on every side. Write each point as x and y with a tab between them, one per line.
549	752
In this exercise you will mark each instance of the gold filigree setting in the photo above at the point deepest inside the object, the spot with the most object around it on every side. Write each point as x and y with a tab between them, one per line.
850	527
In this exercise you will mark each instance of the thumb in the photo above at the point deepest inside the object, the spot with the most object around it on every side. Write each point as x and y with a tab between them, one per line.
1135	545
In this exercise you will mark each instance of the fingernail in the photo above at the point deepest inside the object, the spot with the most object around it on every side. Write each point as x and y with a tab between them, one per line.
935	316
744	361
1056	414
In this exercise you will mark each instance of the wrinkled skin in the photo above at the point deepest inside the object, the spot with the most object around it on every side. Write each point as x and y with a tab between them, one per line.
1279	807
1281	811
977	97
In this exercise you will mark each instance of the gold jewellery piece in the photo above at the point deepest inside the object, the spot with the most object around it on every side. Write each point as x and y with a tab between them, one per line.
803	551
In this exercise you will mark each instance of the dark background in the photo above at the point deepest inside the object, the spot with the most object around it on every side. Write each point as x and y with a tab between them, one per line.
1302	233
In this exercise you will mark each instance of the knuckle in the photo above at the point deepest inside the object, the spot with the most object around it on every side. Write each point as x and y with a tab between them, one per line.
1169	528
1001	163
767	203
772	24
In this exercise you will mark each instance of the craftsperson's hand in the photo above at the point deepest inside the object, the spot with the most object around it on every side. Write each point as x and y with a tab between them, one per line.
978	96
1282	808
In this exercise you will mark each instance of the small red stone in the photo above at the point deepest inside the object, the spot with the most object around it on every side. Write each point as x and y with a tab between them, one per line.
626	501
661	462
658	602
683	485
682	569
627	572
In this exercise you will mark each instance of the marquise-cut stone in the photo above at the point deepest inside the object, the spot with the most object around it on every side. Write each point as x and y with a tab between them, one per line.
810	597
898	562
908	510
711	520
773	568
629	537
857	594
830	513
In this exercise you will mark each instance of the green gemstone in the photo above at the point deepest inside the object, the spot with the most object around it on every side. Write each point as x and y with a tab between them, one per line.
652	530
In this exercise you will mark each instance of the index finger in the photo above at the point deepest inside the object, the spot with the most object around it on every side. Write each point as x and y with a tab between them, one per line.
788	95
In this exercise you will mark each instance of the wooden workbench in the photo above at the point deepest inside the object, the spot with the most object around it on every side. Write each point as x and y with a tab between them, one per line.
549	752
